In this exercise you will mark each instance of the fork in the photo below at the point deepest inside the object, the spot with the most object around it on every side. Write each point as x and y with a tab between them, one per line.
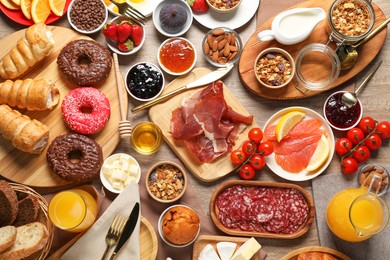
114	232
128	10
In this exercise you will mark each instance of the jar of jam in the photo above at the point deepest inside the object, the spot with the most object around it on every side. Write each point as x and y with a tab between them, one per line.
177	56
338	115
350	21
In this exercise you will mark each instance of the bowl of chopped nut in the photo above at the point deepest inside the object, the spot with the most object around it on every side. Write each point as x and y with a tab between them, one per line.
274	68
166	182
223	6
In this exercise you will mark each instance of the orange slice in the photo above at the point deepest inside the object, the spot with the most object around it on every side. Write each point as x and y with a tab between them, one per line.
40	10
17	2
10	5
25	5
57	6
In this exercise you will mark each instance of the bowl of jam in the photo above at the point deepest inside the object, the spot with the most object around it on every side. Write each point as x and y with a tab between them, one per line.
338	115
144	81
176	56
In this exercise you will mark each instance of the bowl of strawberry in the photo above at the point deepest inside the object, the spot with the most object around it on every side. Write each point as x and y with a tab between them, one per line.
123	35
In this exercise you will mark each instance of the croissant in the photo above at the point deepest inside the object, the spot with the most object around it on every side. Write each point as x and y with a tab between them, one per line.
29	50
315	256
30	94
28	135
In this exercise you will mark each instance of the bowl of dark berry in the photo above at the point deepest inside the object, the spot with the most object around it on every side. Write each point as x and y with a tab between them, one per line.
123	35
144	81
338	115
172	17
87	17
274	68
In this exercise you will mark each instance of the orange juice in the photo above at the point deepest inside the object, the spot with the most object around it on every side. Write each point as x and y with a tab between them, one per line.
73	210
337	214
366	214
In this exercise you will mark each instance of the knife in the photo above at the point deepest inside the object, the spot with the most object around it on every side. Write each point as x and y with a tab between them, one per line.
206	79
128	230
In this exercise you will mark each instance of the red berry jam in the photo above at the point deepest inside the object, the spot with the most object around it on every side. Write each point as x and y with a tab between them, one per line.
338	114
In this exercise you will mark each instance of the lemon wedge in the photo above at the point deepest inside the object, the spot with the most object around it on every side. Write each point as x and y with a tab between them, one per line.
25	5
320	155
10	5
286	123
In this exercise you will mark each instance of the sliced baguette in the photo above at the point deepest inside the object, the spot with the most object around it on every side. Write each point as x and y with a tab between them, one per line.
7	237
30	238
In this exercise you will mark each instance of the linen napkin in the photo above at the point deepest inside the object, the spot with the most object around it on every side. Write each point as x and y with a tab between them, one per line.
324	188
92	244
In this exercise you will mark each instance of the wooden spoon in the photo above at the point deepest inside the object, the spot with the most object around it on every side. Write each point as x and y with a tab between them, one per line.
124	124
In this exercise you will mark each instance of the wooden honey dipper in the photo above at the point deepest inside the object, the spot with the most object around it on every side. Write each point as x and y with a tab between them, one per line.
124	124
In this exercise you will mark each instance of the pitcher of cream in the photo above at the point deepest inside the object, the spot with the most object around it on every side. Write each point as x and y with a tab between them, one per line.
355	214
293	26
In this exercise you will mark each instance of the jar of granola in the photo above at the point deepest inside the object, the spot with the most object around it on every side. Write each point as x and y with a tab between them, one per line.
350	20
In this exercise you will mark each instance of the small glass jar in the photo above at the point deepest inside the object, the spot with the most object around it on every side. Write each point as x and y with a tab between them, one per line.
146	138
317	67
361	8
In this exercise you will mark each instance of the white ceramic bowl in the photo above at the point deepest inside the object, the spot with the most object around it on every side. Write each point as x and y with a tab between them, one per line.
111	159
113	46
84	31
176	58
160	232
142	80
165	31
334	111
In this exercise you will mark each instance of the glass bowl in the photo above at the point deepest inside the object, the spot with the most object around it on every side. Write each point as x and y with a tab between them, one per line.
221	35
326	62
374	168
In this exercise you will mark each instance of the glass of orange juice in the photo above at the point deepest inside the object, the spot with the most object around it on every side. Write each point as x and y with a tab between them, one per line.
73	210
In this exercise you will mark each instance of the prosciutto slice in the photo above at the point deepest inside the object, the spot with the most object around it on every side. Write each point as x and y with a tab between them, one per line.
207	126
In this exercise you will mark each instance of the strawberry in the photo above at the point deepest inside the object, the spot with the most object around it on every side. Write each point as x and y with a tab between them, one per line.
110	31
126	46
199	6
137	34
125	30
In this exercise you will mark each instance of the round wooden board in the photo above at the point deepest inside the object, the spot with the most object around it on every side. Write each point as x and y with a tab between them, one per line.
294	254
148	240
32	170
253	47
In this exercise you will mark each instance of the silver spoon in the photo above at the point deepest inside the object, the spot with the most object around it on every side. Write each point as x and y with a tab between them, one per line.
350	98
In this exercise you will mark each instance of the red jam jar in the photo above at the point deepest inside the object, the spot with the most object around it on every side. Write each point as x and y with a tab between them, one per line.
177	56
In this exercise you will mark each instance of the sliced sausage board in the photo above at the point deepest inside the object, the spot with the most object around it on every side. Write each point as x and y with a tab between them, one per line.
33	170
161	115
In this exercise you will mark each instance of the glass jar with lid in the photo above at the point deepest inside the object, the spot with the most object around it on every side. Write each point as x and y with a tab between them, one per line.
350	20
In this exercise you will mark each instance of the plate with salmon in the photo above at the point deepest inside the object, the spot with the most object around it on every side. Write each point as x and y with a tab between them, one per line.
303	143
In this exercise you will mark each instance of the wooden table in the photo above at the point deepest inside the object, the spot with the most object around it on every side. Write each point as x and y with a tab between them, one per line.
375	99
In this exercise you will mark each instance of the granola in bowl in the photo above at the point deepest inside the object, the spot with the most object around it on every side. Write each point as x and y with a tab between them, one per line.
274	68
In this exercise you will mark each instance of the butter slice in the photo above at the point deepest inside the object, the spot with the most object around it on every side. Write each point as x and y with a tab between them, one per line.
247	250
226	249
208	253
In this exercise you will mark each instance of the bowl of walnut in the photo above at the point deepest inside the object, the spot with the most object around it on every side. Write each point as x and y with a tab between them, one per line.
223	6
166	182
274	68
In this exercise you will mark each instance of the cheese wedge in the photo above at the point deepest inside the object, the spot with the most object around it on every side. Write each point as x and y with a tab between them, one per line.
208	253
226	249
247	250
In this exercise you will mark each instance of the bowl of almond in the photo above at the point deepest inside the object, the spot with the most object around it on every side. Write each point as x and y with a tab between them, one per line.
166	182
222	46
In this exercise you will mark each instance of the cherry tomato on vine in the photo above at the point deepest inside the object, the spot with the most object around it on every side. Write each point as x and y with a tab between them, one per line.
361	153
367	124
249	148
255	135
355	135
247	172
349	165
257	161
265	148
373	142
237	157
383	129
343	146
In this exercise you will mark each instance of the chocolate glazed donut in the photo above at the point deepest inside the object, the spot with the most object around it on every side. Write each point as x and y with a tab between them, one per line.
75	157
85	62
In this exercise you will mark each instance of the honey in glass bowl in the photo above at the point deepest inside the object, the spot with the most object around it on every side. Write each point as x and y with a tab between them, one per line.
146	138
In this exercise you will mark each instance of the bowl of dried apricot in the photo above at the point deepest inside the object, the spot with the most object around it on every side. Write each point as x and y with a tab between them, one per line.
274	68
166	181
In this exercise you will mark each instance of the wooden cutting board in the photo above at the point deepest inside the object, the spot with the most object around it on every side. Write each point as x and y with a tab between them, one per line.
31	169
161	115
253	47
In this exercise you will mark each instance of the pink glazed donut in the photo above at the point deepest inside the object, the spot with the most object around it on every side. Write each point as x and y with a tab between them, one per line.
85	110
